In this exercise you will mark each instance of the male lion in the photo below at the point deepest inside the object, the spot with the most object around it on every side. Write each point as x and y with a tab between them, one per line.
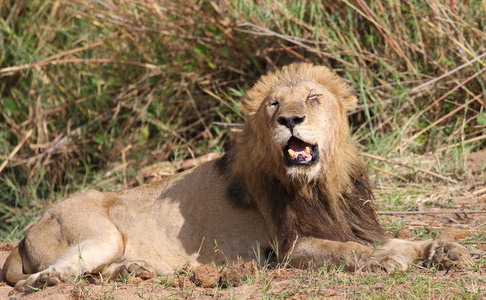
293	180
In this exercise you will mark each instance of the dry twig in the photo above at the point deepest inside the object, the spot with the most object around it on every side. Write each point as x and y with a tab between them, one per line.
16	149
417	169
433	212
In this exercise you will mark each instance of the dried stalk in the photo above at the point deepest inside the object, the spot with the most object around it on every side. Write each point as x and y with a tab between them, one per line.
16	149
417	169
433	212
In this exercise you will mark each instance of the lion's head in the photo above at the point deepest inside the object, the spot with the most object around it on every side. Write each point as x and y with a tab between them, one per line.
299	115
295	160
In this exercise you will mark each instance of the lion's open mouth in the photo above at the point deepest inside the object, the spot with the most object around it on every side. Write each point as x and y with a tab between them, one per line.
300	153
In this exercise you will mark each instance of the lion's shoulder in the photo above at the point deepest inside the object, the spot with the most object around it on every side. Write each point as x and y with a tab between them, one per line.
236	191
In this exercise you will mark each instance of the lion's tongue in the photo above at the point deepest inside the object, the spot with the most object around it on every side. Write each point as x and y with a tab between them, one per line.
298	147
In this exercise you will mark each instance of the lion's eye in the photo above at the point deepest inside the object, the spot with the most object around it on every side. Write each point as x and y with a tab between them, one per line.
313	97
273	103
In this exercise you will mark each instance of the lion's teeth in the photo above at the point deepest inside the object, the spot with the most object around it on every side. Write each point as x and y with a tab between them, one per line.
292	153
307	150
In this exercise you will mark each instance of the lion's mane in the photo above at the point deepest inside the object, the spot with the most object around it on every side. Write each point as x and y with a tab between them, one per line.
339	197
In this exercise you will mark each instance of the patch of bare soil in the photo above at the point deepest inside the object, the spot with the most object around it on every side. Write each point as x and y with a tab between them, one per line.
477	161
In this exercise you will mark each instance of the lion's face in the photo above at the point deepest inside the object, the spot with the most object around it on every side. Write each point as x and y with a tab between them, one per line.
301	122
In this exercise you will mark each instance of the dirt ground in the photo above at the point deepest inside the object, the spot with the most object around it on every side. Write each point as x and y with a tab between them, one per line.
460	220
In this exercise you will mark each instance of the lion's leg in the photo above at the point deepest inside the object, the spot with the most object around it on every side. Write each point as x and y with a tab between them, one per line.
123	270
350	255
398	254
89	256
443	253
395	254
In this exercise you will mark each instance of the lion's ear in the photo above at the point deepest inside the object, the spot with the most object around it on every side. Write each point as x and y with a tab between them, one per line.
247	106
350	102
336	85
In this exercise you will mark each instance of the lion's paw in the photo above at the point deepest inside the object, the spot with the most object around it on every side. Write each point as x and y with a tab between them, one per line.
388	260
37	281
135	270
446	254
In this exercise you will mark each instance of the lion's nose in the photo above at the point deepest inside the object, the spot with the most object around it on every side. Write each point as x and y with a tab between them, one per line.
290	122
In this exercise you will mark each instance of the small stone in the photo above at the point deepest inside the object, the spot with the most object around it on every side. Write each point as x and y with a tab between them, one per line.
134	280
404	233
453	234
206	276
233	275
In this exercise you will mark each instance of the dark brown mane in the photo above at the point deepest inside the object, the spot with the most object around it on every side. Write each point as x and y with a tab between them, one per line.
310	210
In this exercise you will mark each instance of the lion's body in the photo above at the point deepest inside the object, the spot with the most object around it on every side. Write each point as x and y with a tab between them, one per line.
162	225
293	179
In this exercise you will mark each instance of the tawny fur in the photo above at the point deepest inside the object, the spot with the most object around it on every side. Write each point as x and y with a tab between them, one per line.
250	198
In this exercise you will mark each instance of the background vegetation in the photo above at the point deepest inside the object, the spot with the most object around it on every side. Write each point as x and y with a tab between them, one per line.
92	92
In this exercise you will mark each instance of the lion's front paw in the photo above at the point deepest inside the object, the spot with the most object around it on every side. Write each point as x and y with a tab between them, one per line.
388	260
447	254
